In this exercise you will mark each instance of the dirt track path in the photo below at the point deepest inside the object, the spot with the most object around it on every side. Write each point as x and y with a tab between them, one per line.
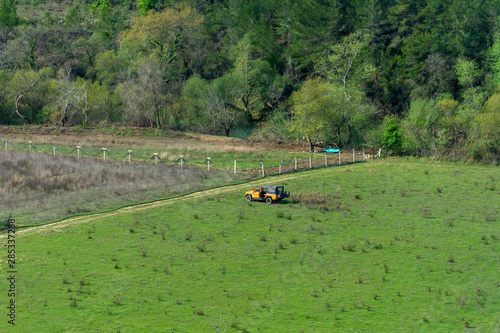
57	226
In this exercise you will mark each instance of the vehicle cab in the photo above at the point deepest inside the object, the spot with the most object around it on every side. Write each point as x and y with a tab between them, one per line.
267	193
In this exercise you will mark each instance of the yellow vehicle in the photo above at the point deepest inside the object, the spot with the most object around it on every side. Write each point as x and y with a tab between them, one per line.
267	193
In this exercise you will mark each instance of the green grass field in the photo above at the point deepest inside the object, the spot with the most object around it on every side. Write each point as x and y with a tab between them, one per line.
389	246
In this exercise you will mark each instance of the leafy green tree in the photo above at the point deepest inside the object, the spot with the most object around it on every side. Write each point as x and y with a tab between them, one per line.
321	111
420	127
30	91
252	77
343	61
484	143
467	72
495	59
8	14
145	6
103	105
167	33
110	69
392	137
216	101
311	112
88	49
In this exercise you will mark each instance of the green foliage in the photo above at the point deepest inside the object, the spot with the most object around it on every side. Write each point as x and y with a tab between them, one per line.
419	127
312	108
484	143
325	112
385	55
8	14
343	62
467	72
392	138
495	55
145	6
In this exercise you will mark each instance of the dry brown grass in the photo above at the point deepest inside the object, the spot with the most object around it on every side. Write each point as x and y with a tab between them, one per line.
310	199
179	141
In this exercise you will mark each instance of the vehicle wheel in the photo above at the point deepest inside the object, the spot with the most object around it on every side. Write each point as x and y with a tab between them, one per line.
269	200
249	197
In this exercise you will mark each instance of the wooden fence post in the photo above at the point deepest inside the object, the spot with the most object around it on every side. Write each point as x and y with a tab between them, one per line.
263	174
182	161
353	158
310	162
78	150
156	158
30	143
54	151
326	160
295	163
340	159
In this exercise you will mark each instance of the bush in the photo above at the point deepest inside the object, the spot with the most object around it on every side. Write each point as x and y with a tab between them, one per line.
310	199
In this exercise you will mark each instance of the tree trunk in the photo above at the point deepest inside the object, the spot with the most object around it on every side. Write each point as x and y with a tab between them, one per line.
311	144
17	109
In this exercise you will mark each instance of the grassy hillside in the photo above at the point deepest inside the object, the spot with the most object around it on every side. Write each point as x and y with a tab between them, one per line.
393	245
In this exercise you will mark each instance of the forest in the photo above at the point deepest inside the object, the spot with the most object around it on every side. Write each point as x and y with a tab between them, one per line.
418	77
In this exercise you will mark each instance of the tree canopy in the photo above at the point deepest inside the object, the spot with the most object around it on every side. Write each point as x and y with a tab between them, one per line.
420	77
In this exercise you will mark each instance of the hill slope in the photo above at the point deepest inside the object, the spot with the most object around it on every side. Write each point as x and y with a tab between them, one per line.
389	246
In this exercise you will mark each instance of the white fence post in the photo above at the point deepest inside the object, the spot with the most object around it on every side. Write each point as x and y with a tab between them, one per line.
234	166
208	159
280	169
156	158
54	151
104	153
263	174
182	161
129	156
78	150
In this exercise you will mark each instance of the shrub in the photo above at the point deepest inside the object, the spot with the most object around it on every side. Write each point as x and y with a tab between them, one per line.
349	247
201	247
310	199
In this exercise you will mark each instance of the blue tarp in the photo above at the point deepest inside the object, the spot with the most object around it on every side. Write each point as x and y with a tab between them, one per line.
331	150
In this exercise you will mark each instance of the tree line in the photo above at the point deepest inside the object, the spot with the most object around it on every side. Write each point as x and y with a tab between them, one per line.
419	77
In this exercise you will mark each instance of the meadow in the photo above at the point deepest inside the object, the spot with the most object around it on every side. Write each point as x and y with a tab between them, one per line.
38	187
387	246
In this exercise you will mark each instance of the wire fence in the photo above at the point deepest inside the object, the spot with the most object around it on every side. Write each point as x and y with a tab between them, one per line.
255	165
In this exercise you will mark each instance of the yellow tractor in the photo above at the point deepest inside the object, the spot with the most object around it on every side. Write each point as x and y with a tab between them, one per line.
267	193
